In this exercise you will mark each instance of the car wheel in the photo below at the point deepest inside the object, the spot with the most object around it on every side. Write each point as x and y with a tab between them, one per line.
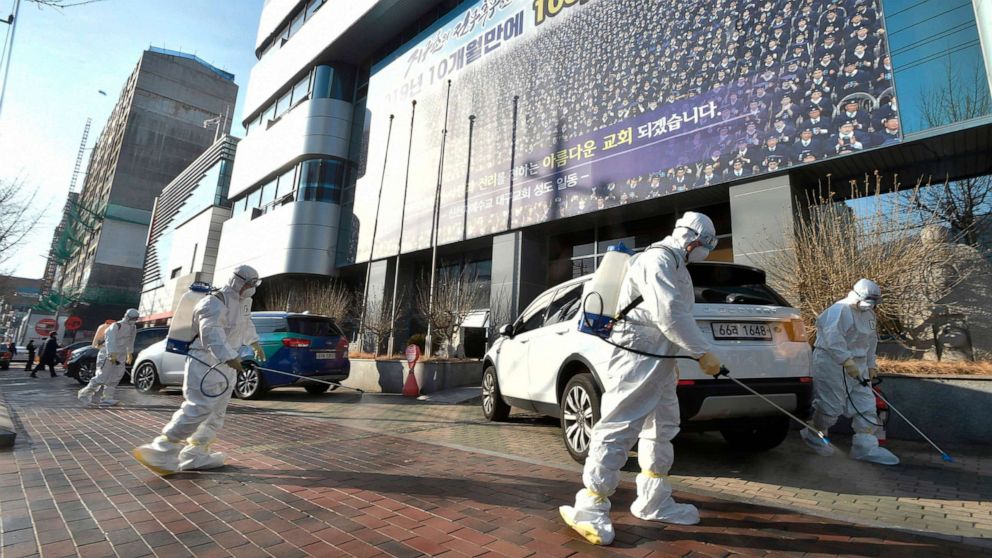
249	384
758	434
493	406
317	389
146	378
86	372
4	365
579	413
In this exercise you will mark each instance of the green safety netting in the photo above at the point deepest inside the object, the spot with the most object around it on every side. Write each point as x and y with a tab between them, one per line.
80	219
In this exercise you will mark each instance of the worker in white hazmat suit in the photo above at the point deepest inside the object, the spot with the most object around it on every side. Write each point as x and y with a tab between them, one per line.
843	359
639	399
116	351
222	320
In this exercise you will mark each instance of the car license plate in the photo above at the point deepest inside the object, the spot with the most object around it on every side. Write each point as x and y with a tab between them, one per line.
741	330
325	356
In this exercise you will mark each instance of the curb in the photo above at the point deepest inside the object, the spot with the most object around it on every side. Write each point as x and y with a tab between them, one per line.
7	433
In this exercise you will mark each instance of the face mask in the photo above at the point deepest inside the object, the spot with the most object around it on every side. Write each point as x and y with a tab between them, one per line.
698	254
865	305
248	293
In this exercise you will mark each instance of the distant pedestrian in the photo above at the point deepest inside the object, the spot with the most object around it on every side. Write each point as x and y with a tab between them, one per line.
12	347
31	351
48	355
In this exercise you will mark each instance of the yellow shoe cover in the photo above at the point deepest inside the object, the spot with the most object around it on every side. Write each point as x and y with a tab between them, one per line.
599	535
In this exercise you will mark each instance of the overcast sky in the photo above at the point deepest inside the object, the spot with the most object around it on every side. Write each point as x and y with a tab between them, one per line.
62	59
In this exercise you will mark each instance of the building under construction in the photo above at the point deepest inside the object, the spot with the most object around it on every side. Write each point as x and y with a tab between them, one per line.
157	128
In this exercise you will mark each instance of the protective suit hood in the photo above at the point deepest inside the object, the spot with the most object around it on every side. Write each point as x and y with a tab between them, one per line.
242	275
866	294
131	315
691	227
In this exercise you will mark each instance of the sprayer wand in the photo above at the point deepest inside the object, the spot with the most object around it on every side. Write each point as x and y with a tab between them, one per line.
819	434
228	384
943	454
309	379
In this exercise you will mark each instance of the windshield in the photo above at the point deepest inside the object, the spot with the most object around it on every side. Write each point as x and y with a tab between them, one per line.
315	327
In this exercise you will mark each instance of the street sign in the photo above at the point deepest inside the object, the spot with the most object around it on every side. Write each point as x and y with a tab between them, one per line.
412	355
73	323
45	327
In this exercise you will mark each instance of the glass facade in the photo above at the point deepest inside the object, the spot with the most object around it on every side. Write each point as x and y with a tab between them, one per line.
311	180
937	58
321	82
295	22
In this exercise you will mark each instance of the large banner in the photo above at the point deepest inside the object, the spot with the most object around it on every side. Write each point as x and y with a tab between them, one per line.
525	111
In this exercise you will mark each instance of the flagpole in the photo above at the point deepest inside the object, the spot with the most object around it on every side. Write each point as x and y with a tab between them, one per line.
399	248
375	226
435	223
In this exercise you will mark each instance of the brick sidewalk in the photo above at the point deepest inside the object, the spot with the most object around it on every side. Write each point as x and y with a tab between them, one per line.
922	493
299	485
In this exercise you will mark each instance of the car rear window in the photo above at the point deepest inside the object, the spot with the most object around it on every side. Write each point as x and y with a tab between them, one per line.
730	284
145	338
315	327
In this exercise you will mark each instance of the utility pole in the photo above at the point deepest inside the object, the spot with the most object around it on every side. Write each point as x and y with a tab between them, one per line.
9	49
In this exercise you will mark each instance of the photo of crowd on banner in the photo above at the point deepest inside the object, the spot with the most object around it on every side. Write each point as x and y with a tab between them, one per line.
795	81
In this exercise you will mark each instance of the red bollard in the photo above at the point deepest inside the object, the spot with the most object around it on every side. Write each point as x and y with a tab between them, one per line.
410	387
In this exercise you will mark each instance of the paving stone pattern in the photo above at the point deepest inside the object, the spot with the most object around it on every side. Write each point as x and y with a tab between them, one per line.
300	484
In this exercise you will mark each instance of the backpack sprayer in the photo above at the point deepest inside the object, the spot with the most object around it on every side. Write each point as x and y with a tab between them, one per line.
183	332
867	383
605	288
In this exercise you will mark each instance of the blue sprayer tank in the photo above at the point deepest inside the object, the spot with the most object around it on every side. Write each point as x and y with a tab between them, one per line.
600	297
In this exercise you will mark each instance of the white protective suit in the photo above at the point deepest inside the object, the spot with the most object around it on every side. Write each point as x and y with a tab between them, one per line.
118	341
223	322
639	400
847	331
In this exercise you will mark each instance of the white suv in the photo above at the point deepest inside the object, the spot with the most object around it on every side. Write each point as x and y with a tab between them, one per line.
543	363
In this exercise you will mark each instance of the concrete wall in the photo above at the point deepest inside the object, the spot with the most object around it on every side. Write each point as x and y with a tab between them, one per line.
762	215
164	132
948	410
519	271
118	245
282	65
388	376
194	251
300	237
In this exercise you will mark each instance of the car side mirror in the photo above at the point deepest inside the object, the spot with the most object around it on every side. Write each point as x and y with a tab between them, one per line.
506	330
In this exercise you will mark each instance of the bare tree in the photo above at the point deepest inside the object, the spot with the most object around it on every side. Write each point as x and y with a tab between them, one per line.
833	247
500	313
379	323
59	4
326	298
956	97
456	293
18	216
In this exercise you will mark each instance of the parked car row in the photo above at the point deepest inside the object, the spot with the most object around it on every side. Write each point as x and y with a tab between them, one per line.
81	363
543	363
302	344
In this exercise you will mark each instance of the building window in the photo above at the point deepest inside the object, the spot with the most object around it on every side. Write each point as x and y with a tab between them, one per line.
937	60
301	90
321	180
323	82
